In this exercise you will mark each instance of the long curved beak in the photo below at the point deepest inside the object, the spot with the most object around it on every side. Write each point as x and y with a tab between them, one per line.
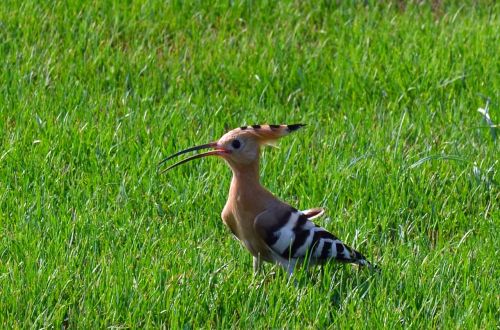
217	152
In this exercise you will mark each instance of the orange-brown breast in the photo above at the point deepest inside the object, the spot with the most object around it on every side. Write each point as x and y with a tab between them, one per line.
247	199
239	215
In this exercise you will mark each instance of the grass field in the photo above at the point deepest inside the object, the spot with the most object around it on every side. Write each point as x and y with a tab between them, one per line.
94	93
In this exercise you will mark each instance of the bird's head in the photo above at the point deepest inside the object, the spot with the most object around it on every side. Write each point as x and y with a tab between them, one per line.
240	146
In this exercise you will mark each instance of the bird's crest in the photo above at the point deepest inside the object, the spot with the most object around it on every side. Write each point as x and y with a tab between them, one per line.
268	134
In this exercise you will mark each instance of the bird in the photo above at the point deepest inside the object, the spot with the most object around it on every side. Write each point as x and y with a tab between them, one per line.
270	229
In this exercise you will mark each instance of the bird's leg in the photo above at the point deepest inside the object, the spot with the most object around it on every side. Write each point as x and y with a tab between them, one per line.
290	267
322	271
257	264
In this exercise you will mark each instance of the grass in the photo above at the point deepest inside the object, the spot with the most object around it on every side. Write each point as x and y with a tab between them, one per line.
94	93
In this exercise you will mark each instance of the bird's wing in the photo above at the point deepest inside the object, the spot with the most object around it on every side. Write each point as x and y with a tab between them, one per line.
289	234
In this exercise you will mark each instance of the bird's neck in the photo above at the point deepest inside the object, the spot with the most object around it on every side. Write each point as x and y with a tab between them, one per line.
246	192
246	175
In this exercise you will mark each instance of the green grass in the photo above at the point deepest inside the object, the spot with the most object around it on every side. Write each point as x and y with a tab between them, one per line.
94	93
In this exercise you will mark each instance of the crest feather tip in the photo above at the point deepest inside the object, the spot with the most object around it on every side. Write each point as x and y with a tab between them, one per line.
295	127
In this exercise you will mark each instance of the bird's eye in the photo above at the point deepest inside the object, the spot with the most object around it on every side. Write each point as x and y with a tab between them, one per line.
236	144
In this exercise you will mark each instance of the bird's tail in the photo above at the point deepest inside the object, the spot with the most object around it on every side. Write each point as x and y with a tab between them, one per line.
347	254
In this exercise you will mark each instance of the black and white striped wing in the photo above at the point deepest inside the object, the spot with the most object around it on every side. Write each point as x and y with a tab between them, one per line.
291	235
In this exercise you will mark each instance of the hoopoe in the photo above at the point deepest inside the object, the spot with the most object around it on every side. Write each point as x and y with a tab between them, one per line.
270	229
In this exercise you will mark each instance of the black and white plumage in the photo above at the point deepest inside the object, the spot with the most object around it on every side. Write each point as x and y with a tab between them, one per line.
293	238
